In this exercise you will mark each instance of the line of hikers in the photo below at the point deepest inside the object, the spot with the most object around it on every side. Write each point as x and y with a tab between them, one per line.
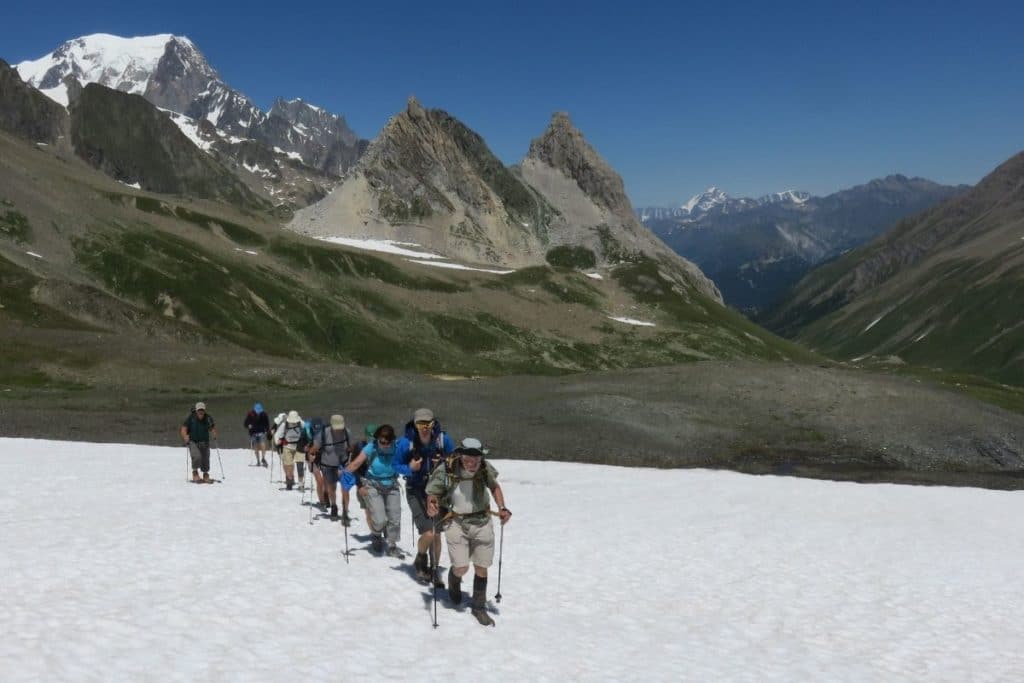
447	487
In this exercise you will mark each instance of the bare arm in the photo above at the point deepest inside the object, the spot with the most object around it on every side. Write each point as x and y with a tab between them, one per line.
354	466
499	498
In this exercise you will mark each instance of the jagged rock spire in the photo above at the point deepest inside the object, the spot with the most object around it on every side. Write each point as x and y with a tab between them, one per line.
562	146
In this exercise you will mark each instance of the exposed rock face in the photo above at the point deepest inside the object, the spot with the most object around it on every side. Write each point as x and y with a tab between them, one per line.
593	209
26	112
563	148
130	140
428	179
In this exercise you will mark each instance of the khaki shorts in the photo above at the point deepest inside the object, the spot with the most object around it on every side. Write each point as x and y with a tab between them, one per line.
469	542
290	455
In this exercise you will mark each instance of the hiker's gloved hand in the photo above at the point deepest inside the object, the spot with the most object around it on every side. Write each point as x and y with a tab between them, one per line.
504	514
431	508
416	463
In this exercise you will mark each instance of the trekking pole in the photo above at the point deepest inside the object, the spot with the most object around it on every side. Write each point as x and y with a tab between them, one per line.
273	452
501	545
346	543
216	445
188	463
310	498
433	569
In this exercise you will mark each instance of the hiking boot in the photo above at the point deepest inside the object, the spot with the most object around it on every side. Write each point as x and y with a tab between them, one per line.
438	580
454	587
420	565
288	484
395	551
334	512
345	519
195	477
478	607
264	464
377	544
206	477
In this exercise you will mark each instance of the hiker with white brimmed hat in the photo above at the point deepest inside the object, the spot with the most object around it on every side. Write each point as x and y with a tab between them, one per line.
461	490
290	435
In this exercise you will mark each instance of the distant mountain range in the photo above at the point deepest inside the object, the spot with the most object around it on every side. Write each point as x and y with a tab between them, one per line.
942	288
171	73
756	249
715	199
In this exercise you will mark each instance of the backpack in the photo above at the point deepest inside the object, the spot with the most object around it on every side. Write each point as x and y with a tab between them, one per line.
316	428
346	440
436	440
452	479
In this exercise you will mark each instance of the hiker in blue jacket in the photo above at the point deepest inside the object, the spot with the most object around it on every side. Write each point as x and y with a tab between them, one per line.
423	448
383	497
257	422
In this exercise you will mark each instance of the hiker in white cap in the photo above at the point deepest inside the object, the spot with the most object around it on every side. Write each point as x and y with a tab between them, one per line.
462	488
195	432
290	435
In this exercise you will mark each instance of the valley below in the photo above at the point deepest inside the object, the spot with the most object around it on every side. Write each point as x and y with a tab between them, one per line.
821	421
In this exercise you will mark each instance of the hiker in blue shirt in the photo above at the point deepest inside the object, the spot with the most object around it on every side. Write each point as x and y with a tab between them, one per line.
423	448
383	497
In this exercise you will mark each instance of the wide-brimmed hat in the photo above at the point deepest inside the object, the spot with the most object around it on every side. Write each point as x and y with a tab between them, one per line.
293	416
471	446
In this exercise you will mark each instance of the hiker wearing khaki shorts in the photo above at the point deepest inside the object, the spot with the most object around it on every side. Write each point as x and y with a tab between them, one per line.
463	487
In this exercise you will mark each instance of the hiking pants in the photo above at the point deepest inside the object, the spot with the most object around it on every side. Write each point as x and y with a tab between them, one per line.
470	540
200	451
417	500
330	476
385	505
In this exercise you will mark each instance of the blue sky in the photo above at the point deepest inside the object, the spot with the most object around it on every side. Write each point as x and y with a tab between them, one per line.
751	97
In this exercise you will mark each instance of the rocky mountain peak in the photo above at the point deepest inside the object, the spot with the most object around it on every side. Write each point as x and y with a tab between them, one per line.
171	73
563	147
414	109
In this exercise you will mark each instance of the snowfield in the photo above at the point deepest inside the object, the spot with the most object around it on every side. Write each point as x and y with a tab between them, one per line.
116	569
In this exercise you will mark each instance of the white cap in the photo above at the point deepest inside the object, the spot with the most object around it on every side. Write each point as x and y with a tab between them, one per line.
293	416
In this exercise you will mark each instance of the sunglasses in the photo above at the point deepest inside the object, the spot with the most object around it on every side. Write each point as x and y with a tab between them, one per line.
424	423
385	442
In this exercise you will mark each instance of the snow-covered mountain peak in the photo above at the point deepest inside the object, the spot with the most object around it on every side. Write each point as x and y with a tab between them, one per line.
792	196
125	64
172	74
705	201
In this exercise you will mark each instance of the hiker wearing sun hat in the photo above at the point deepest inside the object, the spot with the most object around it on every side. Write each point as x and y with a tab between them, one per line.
334	446
423	448
290	434
460	486
258	423
195	431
